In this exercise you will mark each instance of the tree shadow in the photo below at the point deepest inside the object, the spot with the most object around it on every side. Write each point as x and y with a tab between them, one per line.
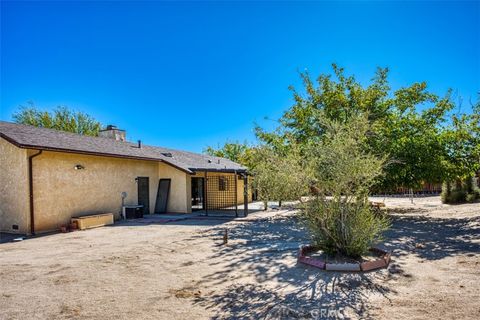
328	295
267	283
432	238
259	277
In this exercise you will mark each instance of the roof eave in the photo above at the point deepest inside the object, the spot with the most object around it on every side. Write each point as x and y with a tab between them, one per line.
227	170
111	155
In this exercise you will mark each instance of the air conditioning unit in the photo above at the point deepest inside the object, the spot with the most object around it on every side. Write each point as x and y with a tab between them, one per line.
132	212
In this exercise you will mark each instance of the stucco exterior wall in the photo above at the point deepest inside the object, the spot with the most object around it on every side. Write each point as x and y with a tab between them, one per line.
240	190
61	192
180	188
14	198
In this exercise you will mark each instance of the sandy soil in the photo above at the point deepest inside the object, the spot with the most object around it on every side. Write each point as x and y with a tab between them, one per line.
181	270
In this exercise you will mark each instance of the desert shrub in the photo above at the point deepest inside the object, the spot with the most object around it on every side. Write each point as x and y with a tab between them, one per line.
471	197
477	193
457	196
475	188
462	191
468	185
446	191
339	218
349	228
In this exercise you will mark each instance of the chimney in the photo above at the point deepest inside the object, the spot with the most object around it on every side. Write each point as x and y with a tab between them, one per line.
112	132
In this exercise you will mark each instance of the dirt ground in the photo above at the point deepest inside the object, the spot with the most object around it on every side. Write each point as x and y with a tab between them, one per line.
181	270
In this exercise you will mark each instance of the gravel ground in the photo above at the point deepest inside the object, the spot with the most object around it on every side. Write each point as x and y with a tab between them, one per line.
182	270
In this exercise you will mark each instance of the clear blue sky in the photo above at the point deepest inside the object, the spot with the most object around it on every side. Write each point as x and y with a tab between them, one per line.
188	75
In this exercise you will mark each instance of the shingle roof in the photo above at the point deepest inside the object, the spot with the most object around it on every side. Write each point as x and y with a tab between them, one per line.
25	136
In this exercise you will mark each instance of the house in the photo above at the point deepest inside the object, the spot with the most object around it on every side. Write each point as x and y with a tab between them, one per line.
49	176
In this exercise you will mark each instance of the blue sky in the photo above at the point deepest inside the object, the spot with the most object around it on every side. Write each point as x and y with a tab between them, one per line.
188	75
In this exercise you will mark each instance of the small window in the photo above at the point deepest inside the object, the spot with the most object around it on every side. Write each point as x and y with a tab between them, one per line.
222	184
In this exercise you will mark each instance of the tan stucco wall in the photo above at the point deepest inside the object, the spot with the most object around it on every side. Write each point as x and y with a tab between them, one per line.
180	188
14	205
61	192
240	190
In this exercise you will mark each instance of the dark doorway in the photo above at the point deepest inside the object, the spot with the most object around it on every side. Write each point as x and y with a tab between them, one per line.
198	194
162	195
144	194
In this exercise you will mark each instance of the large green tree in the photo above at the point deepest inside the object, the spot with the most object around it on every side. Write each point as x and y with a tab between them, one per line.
415	130
61	118
406	125
462	145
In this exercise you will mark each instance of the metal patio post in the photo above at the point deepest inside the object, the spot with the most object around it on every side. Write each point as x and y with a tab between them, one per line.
236	194
205	188
245	195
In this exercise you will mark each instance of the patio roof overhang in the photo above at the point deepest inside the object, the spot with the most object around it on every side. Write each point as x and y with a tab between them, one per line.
242	171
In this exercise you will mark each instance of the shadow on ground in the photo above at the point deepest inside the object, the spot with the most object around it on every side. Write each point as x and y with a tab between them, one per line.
8	237
267	283
432	238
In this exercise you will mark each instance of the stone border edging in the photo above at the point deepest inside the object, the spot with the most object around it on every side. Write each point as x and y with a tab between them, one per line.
382	262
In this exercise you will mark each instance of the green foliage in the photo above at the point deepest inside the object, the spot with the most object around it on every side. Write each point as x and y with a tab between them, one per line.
349	228
338	131
341	163
446	192
238	152
279	177
344	139
457	196
412	140
411	126
462	191
471	197
61	118
476	192
462	145
340	218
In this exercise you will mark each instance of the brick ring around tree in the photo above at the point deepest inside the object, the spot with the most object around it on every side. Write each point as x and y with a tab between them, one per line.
382	261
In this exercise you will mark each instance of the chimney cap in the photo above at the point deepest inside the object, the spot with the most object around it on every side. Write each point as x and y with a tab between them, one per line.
110	127
112	132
